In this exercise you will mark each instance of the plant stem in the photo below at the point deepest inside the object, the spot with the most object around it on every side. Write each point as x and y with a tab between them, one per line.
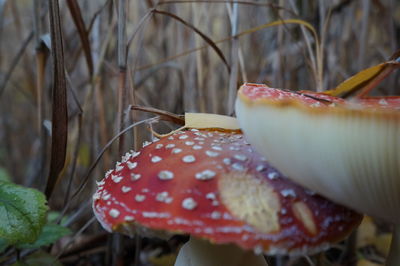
117	240
233	77
121	57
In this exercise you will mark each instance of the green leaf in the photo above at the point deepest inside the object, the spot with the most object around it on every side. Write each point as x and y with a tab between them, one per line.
4	176
22	213
52	217
50	234
39	258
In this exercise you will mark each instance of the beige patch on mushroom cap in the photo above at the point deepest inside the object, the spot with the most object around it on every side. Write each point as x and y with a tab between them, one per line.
305	216
250	200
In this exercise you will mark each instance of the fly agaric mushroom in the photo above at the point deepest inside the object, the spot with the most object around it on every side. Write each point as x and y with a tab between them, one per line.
213	186
348	151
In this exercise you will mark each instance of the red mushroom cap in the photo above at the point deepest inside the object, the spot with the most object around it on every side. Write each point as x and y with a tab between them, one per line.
261	92
213	185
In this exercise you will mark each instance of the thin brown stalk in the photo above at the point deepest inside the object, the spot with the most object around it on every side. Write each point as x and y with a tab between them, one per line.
233	75
97	13
122	93
138	26
133	101
313	54
97	81
101	114
363	37
2	16
164	115
252	3
75	151
75	155
240	34
242	66
117	239
207	39
93	166
122	61
41	54
197	12
41	61
278	71
321	56
76	235
16	19
60	112
76	14
121	38
19	30
101	58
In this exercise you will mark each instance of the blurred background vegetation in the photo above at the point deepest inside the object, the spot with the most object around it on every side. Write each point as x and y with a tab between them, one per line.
176	56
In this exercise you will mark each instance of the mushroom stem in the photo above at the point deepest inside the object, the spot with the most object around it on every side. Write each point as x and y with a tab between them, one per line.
198	252
394	255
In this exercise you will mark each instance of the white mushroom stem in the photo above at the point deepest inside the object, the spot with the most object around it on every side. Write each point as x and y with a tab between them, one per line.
197	252
394	255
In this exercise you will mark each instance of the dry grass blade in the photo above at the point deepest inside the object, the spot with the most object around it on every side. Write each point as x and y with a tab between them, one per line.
164	115
233	77
97	13
60	112
77	234
240	34
41	60
2	6
313	58
138	26
37	23
122	63
121	37
115	251
154	70
366	7
14	62
75	152
252	3
76	14
85	179
279	23
75	159
364	81
205	37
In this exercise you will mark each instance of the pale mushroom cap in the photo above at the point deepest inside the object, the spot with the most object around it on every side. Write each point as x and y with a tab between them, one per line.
213	185
347	151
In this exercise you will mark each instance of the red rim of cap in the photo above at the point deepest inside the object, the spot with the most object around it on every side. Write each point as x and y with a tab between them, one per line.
259	92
